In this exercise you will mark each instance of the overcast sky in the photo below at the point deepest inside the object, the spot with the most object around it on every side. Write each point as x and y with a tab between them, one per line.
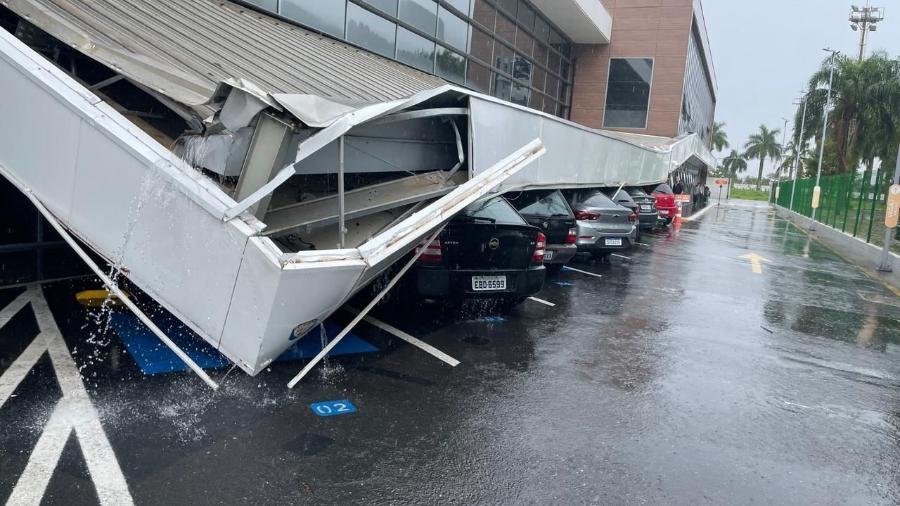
765	50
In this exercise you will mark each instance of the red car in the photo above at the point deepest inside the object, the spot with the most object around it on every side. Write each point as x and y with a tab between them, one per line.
665	202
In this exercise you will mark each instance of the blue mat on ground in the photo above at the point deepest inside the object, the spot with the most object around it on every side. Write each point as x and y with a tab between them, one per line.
153	357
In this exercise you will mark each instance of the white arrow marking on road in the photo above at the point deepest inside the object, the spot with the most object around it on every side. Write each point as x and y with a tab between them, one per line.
755	261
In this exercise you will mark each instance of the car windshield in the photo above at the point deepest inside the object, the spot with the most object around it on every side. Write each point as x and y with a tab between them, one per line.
664	188
540	203
496	210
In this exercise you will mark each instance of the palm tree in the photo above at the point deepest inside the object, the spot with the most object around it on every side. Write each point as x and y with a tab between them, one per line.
791	152
719	137
762	145
734	163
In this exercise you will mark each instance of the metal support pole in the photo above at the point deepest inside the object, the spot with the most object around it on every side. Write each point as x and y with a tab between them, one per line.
341	228
113	287
812	225
885	264
362	314
798	151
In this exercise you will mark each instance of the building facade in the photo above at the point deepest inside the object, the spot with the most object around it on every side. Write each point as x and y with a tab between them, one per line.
641	66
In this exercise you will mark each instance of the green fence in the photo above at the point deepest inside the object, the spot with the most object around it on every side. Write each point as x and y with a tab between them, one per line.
852	203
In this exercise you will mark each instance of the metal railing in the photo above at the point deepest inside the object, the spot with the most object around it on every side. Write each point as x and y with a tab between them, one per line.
853	203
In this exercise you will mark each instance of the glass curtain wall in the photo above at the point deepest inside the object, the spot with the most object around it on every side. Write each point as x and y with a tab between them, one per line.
501	47
697	103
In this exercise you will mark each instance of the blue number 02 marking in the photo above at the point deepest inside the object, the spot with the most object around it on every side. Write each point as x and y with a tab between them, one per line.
332	408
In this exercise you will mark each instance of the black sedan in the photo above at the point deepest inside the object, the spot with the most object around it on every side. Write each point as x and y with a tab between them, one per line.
648	213
487	251
549	211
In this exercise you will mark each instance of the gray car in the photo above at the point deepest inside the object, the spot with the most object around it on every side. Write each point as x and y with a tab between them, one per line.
603	225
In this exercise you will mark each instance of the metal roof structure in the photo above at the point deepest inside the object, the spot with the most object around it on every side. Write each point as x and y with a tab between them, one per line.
184	49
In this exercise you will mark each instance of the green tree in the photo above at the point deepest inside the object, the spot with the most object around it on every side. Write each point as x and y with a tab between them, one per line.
719	137
733	164
762	145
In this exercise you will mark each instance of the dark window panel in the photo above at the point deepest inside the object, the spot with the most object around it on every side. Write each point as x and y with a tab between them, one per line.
522	69
415	50
553	62
484	13
502	87
324	15
452	29
564	93
550	106
478	77
504	57
540	53
370	30
519	93
564	70
509	6
482	46
628	92
536	101
539	78
387	6
552	86
541	29
524	43
506	29
421	14
450	65
525	16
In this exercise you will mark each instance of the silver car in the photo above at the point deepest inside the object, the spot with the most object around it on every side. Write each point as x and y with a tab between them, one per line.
603	225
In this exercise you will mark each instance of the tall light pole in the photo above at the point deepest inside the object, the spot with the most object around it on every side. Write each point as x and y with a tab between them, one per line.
798	150
826	107
864	20
778	161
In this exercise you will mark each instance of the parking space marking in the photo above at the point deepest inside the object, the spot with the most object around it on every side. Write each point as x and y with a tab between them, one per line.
13	308
73	412
542	301
619	256
698	214
583	272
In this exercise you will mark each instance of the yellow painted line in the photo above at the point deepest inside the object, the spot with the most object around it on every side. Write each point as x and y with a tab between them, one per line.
755	261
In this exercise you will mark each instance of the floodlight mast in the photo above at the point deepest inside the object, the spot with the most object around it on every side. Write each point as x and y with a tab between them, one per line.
864	20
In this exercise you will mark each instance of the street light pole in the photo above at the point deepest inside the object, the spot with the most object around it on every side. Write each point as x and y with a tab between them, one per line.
778	161
817	190
865	20
798	150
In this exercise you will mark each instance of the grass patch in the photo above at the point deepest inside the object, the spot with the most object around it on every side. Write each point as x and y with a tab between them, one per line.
737	193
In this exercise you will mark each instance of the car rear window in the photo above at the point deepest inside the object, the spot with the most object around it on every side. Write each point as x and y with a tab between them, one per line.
636	192
598	199
664	188
496	209
540	203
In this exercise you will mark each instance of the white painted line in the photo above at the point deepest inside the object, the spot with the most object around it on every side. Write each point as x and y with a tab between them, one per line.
642	244
13	307
697	214
422	345
583	272
620	256
74	411
542	301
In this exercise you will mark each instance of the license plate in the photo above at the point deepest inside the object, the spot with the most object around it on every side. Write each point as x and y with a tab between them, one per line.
645	208
548	255
613	242
663	212
488	283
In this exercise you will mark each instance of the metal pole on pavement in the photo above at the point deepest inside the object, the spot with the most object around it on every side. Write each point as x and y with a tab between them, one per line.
797	151
885	264
816	189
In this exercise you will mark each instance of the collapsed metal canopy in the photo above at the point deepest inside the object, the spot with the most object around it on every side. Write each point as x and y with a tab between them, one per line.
184	49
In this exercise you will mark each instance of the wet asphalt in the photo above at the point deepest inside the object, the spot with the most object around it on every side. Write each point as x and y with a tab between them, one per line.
678	377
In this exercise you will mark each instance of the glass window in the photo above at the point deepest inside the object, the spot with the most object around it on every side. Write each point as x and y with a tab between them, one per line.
522	68
450	65
541	29
509	6
550	106
552	86
452	29
482	46
519	93
370	30
506	29
503	57
525	15
484	13
524	42
496	209
415	50
536	101
563	94
421	14
478	77
502	87
628	92
460	5
324	15
540	53
269	5
539	78
386	6
541	203
553	62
